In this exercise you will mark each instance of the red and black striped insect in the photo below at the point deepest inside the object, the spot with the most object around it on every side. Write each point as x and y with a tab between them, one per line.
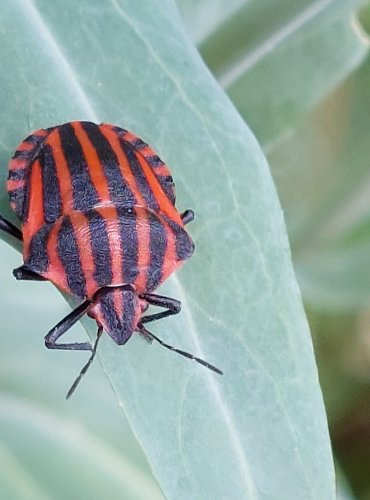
97	207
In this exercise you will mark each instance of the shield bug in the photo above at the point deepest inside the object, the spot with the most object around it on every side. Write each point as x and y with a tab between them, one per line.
98	215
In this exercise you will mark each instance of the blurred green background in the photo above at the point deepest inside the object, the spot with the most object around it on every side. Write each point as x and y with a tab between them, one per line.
299	73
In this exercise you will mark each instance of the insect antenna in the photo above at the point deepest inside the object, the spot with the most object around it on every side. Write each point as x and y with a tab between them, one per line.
151	335
86	367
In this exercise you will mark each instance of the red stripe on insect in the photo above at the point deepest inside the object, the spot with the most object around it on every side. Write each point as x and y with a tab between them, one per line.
129	137
162	171
143	236
35	219
113	230
25	146
17	164
170	258
164	203
124	166
11	184
146	151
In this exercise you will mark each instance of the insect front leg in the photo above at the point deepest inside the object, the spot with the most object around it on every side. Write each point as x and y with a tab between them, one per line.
173	306
63	326
10	228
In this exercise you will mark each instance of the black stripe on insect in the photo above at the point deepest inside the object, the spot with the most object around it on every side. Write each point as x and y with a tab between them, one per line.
85	195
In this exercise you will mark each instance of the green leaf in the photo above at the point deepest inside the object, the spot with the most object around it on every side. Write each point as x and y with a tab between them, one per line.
276	62
329	219
261	428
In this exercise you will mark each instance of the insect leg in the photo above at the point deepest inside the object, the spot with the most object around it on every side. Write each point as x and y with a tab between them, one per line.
173	306
63	326
22	273
187	216
86	367
9	228
186	354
